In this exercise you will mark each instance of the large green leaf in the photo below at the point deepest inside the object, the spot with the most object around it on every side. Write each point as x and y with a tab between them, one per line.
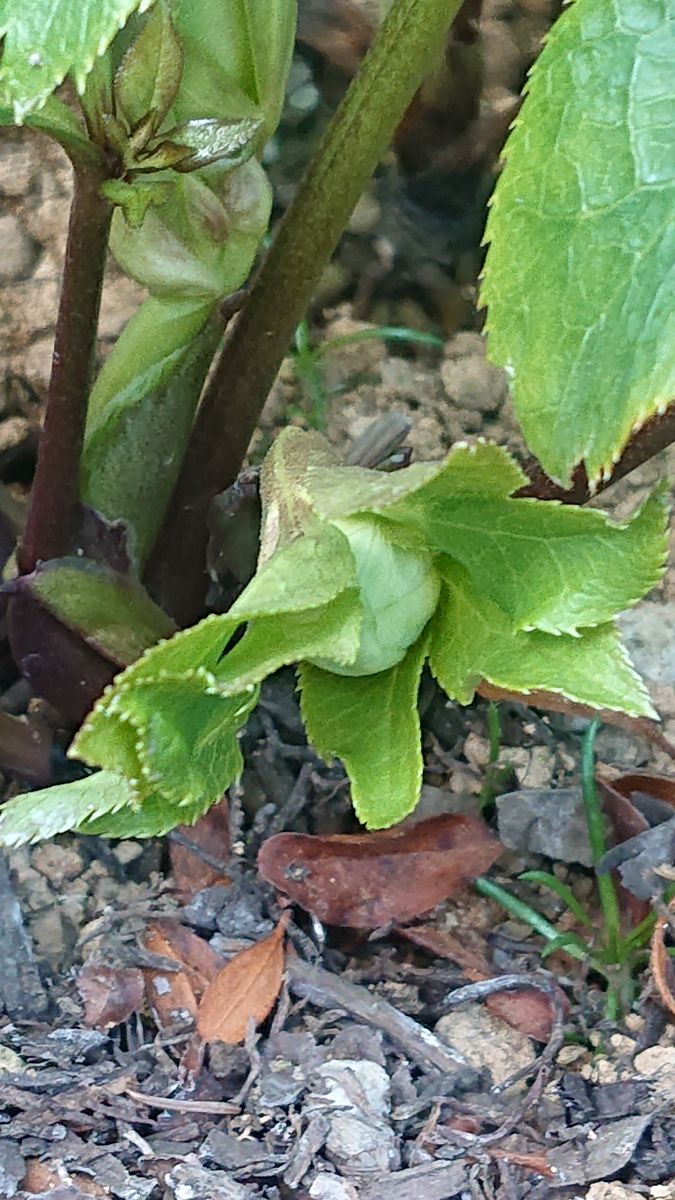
551	566
579	278
173	739
45	40
306	573
473	639
480	469
275	641
42	814
372	725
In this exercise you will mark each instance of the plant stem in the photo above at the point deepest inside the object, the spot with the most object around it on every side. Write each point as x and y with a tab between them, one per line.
411	36
53	518
596	837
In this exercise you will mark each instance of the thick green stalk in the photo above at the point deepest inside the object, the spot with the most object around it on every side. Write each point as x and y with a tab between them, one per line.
53	518
411	37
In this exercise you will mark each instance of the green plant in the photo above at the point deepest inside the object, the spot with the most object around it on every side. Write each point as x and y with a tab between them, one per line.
615	954
307	359
362	575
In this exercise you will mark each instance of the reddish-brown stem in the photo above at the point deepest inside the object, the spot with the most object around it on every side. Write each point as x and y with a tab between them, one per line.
655	435
234	397
53	518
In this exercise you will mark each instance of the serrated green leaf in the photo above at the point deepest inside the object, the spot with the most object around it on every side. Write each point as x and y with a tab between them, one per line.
43	814
153	818
174	739
473	639
372	725
272	642
112	612
189	750
549	566
45	40
480	469
148	78
579	277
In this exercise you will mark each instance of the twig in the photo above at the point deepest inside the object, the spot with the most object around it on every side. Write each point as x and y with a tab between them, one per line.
216	1107
326	990
542	1065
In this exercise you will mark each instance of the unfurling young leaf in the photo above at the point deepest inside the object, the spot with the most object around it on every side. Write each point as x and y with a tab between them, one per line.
147	80
580	273
361	576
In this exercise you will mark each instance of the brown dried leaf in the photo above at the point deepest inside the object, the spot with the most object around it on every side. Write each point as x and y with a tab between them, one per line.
245	990
200	962
551	702
170	993
627	821
40	1179
110	994
636	803
661	966
529	1011
648	784
368	880
191	872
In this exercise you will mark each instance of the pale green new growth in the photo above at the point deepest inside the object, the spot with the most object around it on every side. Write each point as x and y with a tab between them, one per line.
436	559
372	725
580	273
45	40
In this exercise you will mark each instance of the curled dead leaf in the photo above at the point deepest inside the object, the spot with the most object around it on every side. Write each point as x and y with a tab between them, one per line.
200	962
173	995
245	990
110	994
641	808
369	880
191	870
531	1012
662	970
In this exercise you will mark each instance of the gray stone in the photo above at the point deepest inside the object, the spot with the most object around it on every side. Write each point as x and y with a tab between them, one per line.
546	821
649	633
